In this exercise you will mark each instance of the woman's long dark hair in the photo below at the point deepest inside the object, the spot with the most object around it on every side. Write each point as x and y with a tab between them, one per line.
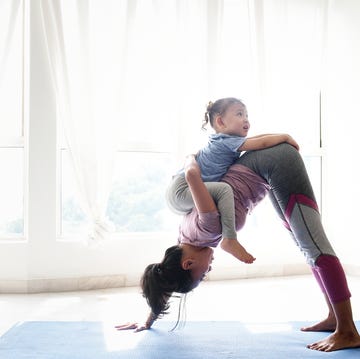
160	280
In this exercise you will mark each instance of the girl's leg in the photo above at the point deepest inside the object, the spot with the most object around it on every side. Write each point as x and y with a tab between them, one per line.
180	201
178	196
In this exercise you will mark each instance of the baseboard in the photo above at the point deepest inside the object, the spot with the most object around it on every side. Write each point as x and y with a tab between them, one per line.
62	284
119	281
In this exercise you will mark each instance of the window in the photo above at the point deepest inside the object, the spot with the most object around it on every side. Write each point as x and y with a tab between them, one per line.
11	192
136	202
146	98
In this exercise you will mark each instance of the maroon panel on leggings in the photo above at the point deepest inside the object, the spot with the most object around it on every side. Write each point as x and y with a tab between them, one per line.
333	278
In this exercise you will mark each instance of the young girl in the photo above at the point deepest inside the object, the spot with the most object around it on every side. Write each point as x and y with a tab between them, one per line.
229	119
184	265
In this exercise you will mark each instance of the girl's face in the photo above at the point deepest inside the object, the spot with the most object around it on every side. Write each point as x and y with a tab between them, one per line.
234	121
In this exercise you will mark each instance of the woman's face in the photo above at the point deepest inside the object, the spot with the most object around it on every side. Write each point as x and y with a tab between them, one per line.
202	264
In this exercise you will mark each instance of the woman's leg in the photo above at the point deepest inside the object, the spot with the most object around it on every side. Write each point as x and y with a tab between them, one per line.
282	167
329	323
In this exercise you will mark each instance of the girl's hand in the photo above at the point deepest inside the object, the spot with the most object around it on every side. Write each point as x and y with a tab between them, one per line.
292	142
136	326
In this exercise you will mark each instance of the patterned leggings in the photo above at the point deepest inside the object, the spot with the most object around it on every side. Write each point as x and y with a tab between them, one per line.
293	198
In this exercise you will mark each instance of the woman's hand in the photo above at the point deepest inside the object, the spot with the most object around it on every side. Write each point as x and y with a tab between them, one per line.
191	166
136	326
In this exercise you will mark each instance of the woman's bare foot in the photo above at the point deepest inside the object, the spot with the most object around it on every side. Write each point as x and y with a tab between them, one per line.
337	341
327	325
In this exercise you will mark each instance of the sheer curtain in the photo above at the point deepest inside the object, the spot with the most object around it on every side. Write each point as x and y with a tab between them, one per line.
128	75
137	74
289	42
79	81
9	10
11	77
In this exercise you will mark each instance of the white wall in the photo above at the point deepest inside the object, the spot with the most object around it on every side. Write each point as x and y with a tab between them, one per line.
341	115
44	263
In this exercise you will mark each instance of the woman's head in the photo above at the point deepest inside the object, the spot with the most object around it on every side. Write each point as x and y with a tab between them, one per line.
160	280
197	260
227	115
181	270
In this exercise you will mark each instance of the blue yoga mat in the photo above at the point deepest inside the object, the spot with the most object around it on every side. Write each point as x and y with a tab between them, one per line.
196	340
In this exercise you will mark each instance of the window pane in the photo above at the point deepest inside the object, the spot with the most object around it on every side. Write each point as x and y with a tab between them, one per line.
11	192
137	198
73	219
11	68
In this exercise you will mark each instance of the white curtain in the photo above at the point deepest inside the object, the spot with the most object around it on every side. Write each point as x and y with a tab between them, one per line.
128	75
11	29
289	43
79	81
9	10
137	75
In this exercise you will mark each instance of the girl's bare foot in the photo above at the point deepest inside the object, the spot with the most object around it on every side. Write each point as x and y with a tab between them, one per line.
327	325
337	341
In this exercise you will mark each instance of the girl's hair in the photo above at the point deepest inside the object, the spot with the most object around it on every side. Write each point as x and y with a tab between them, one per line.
219	107
160	280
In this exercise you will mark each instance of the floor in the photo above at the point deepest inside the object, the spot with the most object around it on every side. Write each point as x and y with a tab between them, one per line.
278	299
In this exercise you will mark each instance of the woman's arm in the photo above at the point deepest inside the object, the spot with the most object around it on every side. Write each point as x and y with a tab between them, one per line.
202	199
205	203
264	141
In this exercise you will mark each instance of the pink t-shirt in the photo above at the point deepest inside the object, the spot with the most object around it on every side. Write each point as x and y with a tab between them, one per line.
201	229
249	189
204	229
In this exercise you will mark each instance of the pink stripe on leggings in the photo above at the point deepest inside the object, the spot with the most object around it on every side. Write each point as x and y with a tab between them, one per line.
299	198
330	275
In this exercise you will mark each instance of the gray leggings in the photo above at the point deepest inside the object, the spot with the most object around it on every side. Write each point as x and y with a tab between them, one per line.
292	196
180	201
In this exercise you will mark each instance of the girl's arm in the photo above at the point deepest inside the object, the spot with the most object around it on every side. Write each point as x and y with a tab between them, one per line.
264	141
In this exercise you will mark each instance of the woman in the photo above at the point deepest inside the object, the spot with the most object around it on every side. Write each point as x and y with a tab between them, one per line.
184	265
